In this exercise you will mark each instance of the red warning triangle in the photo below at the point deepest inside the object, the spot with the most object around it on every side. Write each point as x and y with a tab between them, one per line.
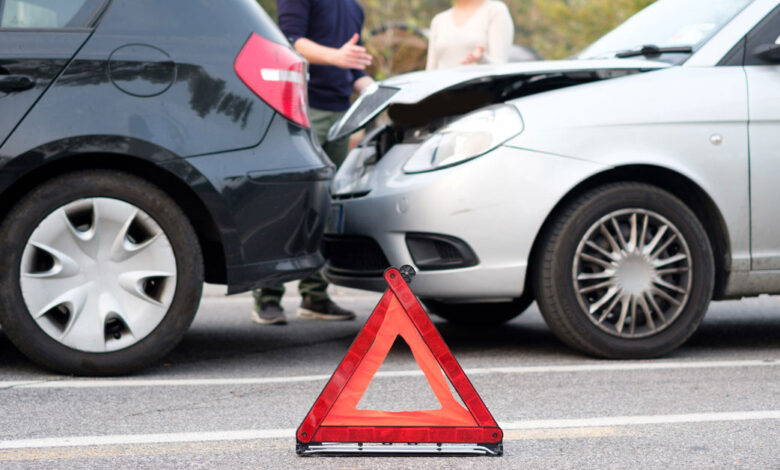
335	418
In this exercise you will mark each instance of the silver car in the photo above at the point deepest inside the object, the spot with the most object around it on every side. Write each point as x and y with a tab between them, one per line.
622	190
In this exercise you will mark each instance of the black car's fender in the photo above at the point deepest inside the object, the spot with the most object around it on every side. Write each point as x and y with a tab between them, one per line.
144	159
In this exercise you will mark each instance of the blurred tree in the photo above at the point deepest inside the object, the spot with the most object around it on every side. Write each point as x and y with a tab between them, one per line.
555	29
269	6
396	49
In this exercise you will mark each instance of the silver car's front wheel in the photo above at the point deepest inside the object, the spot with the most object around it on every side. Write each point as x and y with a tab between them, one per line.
632	273
100	273
625	271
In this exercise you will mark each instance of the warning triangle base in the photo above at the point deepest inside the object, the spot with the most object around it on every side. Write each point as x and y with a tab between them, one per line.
335	449
334	425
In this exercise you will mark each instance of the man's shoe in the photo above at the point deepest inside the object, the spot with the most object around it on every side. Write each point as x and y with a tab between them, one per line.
269	313
323	310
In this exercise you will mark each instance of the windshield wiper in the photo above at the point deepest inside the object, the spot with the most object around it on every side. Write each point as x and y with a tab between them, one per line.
651	51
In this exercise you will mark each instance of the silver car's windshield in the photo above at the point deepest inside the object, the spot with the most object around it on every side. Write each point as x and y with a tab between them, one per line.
680	24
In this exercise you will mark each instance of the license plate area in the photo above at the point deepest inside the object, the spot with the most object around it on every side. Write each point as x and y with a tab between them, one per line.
336	220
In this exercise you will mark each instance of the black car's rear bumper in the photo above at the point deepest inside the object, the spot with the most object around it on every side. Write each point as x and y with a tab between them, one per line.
270	273
270	204
287	216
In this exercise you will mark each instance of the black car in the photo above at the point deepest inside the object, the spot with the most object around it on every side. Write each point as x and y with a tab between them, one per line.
146	146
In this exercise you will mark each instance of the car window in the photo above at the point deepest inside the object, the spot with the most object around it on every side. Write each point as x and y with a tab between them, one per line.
47	13
767	32
668	23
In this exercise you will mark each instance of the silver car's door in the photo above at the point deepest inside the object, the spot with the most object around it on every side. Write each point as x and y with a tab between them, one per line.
763	76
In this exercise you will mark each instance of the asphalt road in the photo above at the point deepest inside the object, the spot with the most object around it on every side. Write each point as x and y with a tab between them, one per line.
232	394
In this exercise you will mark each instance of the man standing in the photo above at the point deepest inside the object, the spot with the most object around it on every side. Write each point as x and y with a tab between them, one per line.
327	34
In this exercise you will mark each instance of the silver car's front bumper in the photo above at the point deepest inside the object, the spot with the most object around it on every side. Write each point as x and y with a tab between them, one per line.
496	204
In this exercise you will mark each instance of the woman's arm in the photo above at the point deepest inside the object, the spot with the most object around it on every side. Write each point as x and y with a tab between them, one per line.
501	34
433	61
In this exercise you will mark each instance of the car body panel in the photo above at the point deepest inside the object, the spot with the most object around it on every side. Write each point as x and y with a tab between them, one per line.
39	55
519	199
666	118
763	79
765	165
714	127
202	109
159	97
272	216
437	80
417	86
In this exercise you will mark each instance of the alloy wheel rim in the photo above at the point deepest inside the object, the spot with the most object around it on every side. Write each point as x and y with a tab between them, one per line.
632	273
98	275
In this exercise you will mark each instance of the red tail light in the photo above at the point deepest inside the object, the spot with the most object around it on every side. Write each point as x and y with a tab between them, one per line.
277	75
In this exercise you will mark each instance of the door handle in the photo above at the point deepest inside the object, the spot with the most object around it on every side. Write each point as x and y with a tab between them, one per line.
9	83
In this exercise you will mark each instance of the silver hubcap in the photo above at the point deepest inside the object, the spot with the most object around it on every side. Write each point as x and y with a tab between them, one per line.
98	275
632	273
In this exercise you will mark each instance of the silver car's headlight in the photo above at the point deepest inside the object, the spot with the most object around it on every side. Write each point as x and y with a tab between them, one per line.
467	138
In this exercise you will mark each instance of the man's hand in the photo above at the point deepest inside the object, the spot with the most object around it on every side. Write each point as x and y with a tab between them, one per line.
362	83
348	56
351	56
474	57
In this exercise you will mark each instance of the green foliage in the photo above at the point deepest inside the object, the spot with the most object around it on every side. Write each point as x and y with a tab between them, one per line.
553	28
269	6
560	28
417	13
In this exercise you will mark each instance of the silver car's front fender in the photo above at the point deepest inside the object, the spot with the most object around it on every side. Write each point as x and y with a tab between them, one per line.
691	121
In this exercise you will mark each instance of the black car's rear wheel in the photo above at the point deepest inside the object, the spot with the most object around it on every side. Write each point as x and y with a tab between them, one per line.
479	313
101	273
625	271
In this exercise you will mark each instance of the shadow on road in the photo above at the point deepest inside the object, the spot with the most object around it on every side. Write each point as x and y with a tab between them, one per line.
730	327
220	338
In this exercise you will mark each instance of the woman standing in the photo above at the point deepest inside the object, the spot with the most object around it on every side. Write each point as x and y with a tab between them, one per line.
471	32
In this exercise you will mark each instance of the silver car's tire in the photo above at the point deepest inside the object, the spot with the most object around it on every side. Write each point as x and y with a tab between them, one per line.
624	271
101	273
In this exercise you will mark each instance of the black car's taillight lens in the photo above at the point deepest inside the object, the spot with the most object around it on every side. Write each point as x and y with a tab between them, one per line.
277	75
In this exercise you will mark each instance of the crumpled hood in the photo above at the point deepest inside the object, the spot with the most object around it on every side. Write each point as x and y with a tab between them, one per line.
414	87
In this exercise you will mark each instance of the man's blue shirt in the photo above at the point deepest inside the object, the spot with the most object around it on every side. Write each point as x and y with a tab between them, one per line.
328	23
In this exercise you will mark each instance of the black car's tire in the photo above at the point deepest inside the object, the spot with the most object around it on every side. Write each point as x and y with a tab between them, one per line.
128	284
480	313
577	262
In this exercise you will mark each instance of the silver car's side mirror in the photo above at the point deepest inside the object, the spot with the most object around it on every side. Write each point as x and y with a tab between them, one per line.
768	52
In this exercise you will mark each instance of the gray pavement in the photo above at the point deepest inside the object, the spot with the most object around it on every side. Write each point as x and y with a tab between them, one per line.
231	395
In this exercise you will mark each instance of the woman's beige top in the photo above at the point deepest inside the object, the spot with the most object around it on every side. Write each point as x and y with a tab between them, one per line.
490	26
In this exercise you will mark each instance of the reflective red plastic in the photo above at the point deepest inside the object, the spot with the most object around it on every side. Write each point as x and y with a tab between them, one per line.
335	417
277	75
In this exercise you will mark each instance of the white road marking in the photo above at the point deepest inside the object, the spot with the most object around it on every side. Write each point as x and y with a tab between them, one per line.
106	383
643	420
605	366
243	435
136	439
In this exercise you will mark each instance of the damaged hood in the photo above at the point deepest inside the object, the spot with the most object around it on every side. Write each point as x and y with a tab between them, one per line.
412	88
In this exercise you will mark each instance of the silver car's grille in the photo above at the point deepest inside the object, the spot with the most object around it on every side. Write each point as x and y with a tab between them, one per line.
363	110
354	256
